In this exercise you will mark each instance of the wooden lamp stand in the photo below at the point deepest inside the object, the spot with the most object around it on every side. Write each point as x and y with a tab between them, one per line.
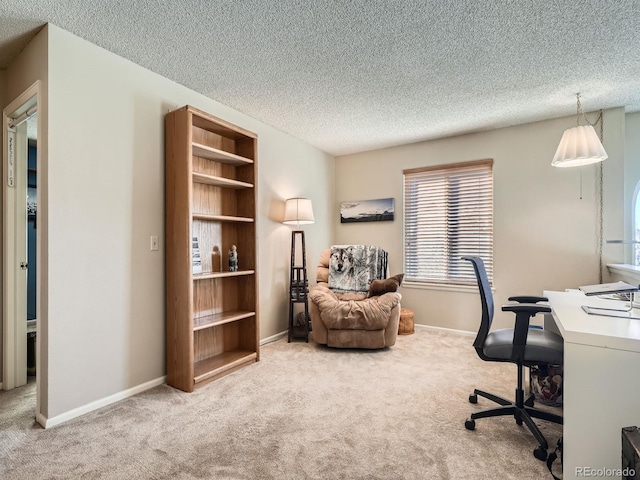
298	211
298	289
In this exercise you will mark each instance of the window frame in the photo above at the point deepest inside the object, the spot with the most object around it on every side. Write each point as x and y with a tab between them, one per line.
449	281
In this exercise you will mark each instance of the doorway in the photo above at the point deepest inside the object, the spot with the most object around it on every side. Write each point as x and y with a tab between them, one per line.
20	241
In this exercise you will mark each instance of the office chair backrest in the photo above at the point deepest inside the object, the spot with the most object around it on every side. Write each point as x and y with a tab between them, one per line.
486	298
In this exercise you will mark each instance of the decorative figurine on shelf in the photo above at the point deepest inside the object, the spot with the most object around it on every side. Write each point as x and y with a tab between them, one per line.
216	260
233	259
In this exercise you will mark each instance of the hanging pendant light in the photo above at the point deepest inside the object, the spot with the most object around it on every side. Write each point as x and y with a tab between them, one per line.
579	145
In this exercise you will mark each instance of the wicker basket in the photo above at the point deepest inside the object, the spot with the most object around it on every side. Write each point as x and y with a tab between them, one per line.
406	326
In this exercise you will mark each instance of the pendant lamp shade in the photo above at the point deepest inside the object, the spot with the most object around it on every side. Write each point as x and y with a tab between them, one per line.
298	211
579	146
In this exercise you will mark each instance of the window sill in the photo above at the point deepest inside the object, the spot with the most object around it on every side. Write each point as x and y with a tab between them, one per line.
625	269
442	287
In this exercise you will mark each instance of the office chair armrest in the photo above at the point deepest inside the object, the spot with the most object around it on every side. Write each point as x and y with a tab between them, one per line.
529	308
528	299
524	312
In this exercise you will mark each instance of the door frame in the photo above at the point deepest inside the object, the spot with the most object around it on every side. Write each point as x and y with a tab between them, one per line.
14	338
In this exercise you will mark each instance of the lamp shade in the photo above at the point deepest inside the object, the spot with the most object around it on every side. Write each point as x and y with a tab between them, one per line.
298	211
579	146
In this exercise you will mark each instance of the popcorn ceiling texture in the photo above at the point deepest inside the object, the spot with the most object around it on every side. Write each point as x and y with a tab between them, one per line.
355	75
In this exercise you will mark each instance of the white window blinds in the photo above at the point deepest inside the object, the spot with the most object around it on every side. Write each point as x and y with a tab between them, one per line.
448	213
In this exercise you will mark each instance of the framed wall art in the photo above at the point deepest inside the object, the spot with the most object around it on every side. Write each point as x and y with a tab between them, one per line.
379	210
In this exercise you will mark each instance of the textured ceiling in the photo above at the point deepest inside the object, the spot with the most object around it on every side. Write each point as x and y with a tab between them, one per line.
350	76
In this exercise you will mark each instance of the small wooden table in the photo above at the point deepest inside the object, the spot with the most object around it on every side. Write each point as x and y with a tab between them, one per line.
406	325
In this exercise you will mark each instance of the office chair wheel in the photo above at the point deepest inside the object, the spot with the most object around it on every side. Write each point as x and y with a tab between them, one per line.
473	398
518	421
470	424
540	453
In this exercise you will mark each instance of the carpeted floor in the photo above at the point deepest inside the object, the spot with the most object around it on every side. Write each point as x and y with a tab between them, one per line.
302	412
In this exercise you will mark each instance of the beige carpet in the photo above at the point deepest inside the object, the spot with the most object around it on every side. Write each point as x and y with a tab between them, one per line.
302	412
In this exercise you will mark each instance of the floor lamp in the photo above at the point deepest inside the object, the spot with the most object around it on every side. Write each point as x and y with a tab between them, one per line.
298	211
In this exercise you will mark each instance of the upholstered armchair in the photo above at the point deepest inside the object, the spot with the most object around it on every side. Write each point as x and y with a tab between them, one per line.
353	319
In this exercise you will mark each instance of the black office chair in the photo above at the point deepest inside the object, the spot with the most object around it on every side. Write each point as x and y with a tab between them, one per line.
521	345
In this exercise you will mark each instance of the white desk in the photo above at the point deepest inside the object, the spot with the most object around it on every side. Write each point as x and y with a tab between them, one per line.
601	381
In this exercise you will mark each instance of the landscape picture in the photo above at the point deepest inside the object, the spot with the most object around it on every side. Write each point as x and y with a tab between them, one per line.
379	210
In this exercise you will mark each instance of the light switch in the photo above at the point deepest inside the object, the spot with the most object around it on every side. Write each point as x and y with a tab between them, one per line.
154	242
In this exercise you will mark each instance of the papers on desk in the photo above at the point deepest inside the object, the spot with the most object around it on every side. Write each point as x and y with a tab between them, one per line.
611	312
608	288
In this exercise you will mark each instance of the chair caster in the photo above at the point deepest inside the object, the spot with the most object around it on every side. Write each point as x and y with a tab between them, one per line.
473	398
470	424
540	453
519	421
530	401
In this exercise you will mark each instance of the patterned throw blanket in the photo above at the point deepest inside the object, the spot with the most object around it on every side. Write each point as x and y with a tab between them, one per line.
353	267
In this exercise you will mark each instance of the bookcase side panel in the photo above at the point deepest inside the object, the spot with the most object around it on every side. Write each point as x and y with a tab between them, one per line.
178	246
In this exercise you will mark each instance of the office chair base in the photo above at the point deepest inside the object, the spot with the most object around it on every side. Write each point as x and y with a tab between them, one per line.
522	413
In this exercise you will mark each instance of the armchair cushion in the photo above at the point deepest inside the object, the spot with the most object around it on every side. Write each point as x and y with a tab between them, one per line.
364	314
322	273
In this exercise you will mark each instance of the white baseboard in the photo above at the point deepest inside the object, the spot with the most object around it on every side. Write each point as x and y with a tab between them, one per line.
103	402
273	338
464	333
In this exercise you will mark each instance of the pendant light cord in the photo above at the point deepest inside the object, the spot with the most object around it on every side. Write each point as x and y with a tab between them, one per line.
600	187
599	183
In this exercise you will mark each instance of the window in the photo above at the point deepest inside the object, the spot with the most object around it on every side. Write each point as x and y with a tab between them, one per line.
448	213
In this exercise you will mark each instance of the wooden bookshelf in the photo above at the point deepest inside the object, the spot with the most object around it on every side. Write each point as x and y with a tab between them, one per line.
212	316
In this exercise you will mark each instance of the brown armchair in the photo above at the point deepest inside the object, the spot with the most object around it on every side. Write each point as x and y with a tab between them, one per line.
351	320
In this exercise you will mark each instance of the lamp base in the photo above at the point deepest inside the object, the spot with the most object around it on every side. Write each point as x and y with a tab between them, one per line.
298	291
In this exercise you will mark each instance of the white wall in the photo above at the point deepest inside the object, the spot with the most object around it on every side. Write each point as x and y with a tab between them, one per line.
289	168
544	233
613	188
106	197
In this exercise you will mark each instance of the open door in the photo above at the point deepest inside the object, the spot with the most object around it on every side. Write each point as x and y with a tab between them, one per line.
15	263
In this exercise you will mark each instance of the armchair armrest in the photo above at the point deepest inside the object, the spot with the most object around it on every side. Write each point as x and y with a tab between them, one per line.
528	299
